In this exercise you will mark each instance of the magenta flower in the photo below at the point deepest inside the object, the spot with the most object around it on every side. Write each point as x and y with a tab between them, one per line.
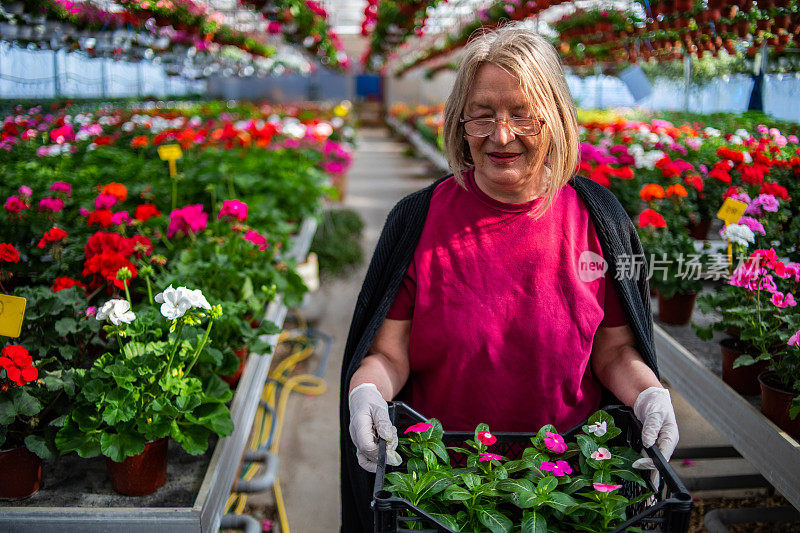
90	311
783	300
754	225
484	437
105	201
25	191
489	457
15	204
601	454
120	218
84	212
762	129
234	209
51	204
602	487
61	186
794	340
419	428
257	239
793	139
189	219
558	469
555	443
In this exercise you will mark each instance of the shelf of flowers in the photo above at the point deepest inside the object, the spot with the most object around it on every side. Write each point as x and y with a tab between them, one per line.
146	298
672	179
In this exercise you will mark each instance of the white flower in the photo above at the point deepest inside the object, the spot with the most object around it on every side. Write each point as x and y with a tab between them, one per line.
599	429
197	299
174	302
711	132
738	234
117	311
747	157
743	133
601	454
735	139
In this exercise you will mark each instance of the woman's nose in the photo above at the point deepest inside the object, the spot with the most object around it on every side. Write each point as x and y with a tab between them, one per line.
502	133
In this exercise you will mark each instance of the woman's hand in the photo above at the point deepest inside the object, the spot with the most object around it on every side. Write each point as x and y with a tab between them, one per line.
380	377
653	408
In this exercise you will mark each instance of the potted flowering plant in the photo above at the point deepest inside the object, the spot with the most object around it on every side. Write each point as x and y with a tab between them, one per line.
780	388
148	389
575	484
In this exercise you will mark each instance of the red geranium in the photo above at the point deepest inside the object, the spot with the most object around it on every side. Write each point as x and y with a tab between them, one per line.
18	365
694	180
721	171
8	253
649	217
775	190
145	212
52	235
106	253
100	216
733	155
66	283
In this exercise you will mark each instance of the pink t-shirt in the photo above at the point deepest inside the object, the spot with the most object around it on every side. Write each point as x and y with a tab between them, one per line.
502	324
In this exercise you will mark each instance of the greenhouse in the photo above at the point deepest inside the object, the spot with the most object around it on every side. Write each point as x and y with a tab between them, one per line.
389	266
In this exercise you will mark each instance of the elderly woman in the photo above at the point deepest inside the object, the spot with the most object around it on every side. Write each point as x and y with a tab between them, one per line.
486	299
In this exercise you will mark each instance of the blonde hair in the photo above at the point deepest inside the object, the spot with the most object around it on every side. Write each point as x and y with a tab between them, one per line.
531	58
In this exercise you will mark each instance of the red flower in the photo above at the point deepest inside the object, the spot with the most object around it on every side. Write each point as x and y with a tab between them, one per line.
52	235
649	217
733	155
141	245
145	212
651	191
66	283
625	173
721	171
730	191
753	174
775	190
139	141
18	365
101	217
104	267
117	190
8	253
694	180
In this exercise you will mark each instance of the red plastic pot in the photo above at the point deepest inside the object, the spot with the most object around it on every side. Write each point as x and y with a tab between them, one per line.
233	379
743	379
20	473
140	474
676	310
775	402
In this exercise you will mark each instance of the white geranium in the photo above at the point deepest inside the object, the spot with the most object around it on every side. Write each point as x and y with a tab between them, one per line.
743	133
197	299
117	311
738	234
174	302
747	157
712	132
735	139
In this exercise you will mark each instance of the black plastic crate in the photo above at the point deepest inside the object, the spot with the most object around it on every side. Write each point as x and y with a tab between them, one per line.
668	510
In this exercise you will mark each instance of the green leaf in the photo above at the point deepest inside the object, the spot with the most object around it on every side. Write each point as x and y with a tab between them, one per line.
118	446
215	417
416	465
560	501
526	499
533	522
41	446
456	493
515	485
575	485
431	485
446	520
546	485
628	475
7	413
192	438
71	438
26	405
400	482
471	480
440	450
65	326
587	445
744	360
495	521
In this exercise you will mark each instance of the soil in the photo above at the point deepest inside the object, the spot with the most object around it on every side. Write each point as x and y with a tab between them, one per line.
703	506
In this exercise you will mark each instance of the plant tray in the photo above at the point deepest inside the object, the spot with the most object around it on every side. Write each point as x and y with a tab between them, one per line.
668	510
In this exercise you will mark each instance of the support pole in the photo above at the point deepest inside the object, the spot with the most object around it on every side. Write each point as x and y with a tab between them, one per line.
687	79
56	76
139	79
103	77
598	93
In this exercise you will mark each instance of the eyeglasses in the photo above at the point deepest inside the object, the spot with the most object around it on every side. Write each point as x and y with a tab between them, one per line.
483	127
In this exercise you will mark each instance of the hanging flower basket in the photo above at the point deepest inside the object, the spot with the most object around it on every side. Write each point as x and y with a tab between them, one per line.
20	473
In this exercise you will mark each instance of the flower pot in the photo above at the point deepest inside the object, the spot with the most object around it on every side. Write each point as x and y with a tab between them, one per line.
743	379
140	474
233	379
676	310
20	473
775	401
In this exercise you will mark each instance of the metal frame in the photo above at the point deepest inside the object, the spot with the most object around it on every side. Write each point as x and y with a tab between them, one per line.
773	452
421	145
206	512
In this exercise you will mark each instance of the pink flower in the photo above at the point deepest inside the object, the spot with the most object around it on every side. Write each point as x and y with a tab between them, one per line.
105	201
90	311
51	204
234	209
601	454
120	218
793	139
61	186
762	129
559	468
794	340
489	457
189	219
25	191
84	212
781	300
419	428
602	487
754	225
484	437
15	204
555	443
257	239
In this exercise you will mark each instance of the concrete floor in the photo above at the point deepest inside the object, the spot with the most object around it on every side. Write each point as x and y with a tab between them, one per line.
309	452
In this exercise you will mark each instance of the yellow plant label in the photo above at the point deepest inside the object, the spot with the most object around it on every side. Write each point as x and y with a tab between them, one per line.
12	310
170	153
731	211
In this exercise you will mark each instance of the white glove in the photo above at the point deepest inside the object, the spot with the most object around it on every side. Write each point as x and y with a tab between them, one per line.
653	408
369	420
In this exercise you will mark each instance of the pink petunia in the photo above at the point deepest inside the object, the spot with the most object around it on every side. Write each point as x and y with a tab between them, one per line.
555	442
602	487
257	239
233	209
105	201
794	340
558	469
489	457
419	428
484	437
601	454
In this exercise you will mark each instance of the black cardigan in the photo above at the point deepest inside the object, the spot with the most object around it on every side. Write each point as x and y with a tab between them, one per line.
389	263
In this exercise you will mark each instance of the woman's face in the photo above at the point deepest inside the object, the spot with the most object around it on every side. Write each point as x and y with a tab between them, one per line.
508	167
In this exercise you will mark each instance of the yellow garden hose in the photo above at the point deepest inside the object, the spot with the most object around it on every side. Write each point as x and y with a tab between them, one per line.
264	426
